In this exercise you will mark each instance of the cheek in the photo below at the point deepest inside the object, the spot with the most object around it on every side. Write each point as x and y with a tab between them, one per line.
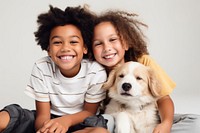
119	83
50	52
96	49
97	53
144	88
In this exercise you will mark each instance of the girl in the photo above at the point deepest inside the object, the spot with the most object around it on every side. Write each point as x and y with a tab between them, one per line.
118	39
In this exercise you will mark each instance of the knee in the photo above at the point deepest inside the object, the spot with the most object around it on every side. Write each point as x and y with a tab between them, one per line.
7	113
13	110
4	120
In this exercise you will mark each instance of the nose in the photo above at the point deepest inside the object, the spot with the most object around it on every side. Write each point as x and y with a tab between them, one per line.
65	48
126	86
107	46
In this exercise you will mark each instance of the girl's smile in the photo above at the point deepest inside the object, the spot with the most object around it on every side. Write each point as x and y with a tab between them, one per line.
107	47
110	56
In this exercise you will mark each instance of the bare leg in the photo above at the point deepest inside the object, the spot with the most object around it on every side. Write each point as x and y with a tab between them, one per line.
93	130
4	120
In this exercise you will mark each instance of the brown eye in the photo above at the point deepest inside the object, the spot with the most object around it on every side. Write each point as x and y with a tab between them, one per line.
121	75
138	78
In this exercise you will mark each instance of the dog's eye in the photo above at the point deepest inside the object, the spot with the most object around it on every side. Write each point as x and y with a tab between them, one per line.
121	75
138	78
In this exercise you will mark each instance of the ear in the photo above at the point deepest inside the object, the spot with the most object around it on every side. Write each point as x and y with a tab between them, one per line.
154	83
85	50
48	52
110	81
125	45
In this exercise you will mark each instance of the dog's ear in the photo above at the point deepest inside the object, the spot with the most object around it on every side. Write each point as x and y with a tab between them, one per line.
110	81
154	83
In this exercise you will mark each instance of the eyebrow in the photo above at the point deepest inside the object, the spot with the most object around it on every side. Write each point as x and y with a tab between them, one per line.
111	35
55	37
69	36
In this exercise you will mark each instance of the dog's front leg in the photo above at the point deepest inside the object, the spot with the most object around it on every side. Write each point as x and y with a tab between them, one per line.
123	123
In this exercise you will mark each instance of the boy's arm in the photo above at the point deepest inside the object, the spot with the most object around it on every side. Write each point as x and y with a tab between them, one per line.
62	124
166	110
88	110
42	113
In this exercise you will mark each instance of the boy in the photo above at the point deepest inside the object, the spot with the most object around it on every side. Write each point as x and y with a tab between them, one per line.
66	87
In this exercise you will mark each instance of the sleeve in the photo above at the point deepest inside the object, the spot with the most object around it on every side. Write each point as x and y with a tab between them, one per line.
168	84
36	87
95	93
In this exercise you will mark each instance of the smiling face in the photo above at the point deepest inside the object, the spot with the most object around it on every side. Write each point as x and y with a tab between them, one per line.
107	46
66	49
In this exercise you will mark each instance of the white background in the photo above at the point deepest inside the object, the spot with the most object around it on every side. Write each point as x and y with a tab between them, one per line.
173	38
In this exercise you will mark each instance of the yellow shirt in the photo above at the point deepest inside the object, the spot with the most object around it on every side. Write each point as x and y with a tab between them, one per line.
167	83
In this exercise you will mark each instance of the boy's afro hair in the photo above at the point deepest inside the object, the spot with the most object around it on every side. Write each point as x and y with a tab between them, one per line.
78	16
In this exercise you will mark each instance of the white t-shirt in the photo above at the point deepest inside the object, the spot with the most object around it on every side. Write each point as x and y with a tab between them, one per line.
67	95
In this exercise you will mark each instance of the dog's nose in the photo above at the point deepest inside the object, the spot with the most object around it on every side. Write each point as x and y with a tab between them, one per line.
126	86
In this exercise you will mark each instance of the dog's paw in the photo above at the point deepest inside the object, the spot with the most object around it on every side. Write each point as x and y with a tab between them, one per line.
123	123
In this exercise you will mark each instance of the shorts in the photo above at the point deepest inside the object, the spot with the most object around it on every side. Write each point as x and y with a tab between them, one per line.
23	120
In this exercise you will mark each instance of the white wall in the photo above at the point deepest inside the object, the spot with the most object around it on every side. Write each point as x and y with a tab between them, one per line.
173	33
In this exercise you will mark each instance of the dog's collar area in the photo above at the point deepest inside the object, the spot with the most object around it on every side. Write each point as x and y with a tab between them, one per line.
145	105
123	106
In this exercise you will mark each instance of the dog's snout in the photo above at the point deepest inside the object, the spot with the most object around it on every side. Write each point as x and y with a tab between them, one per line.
126	86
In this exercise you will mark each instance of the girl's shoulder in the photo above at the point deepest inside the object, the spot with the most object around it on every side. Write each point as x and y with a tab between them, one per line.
168	83
146	60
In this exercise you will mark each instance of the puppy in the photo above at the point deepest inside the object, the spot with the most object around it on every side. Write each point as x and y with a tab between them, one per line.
134	90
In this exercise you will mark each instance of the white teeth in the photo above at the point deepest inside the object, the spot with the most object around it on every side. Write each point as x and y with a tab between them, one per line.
66	57
109	56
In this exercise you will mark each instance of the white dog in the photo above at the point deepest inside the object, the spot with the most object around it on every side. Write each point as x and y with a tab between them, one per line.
133	89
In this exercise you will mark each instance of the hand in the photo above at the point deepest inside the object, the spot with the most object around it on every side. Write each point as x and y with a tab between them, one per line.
54	126
162	128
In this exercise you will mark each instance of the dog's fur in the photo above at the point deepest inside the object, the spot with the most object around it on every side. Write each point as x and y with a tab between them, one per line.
134	90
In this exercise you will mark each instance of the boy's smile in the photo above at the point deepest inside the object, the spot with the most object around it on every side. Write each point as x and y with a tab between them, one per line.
68	57
66	49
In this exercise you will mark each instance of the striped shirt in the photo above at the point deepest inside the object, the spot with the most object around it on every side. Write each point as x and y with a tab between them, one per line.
66	95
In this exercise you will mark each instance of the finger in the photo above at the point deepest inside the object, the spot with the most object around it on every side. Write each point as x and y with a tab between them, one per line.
46	131
58	130
54	127
46	126
39	131
155	131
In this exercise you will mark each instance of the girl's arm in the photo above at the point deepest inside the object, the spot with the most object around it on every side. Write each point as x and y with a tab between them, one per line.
166	110
61	124
42	114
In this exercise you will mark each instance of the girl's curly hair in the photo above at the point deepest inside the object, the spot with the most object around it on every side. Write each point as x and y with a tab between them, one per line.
80	17
128	29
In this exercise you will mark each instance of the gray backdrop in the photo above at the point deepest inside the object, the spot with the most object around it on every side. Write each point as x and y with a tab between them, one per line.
173	37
